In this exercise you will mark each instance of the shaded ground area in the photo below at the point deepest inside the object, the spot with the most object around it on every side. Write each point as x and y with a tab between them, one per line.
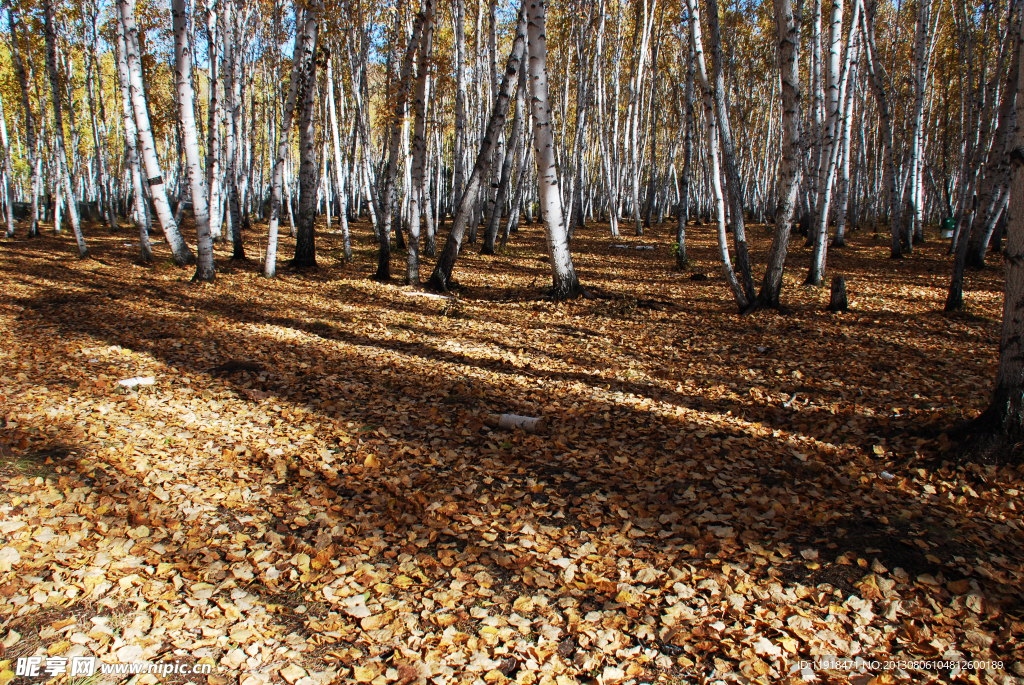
311	482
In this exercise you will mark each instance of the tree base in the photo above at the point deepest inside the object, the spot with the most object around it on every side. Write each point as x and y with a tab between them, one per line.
995	437
762	302
837	300
974	263
814	279
568	290
438	284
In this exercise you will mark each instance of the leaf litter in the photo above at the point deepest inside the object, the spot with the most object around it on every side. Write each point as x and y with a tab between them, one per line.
313	488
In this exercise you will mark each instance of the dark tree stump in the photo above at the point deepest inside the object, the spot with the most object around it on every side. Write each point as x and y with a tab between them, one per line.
837	302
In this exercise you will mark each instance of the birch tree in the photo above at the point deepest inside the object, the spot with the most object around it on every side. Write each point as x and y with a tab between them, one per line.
878	85
58	131
391	170
305	239
157	188
714	167
339	172
205	269
684	180
787	26
1000	427
564	283
419	145
441	277
131	149
14	22
8	170
302	58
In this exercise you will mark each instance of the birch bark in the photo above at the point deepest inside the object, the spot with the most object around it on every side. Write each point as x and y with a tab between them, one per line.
339	174
205	269
684	179
843	187
395	137
995	185
1001	425
13	21
58	130
491	232
829	161
94	77
460	101
131	150
877	78
302	55
419	144
305	229
729	163
787	26
214	116
158	190
711	138
565	284
8	171
441	278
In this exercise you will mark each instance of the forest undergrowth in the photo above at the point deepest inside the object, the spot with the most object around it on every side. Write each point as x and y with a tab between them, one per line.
311	490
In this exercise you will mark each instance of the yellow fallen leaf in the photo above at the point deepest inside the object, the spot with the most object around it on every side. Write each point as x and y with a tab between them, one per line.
789	644
959	587
362	674
58	647
373	622
523	604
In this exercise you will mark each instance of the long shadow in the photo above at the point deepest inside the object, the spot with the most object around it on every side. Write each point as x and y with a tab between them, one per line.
675	484
314	322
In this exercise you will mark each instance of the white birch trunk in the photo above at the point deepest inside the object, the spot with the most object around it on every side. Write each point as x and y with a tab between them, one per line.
711	137
1001	426
304	25
441	278
829	163
157	188
13	21
339	173
565	284
131	150
383	273
878	84
419	145
788	32
214	116
8	171
305	238
460	101
205	268
727	149
58	125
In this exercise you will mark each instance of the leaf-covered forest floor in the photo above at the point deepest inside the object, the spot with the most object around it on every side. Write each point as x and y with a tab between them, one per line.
309	491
